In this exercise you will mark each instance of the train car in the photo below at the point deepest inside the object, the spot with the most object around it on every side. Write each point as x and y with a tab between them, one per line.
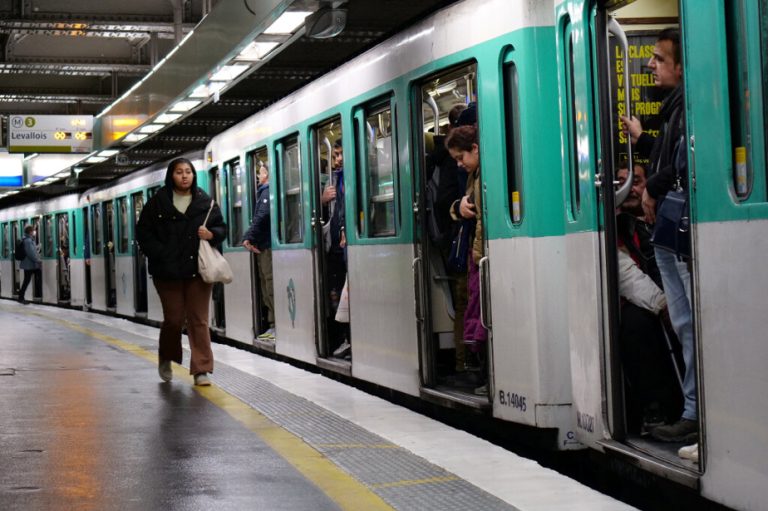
549	81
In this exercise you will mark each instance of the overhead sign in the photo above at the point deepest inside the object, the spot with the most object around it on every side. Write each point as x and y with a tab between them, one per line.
50	133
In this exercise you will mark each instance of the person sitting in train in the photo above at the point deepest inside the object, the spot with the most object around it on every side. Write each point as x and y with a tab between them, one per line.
31	264
445	185
463	144
169	232
258	239
653	392
337	254
667	175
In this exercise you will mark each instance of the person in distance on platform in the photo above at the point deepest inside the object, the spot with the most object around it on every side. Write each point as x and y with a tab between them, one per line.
169	232
258	239
32	263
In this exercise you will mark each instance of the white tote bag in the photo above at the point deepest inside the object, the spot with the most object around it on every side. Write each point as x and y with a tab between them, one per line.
342	312
211	264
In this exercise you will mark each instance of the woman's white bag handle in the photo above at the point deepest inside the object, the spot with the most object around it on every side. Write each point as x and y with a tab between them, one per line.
211	264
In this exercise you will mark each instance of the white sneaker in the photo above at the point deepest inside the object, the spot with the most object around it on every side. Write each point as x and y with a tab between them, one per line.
342	350
689	452
165	370
202	380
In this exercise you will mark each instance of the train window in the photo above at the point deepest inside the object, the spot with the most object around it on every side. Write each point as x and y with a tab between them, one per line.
514	147
62	234
235	194
48	236
377	189
124	230
748	82
97	229
256	159
74	234
5	241
572	150
291	211
152	190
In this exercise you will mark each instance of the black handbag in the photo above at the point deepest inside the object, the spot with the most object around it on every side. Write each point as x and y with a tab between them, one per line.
672	231
460	246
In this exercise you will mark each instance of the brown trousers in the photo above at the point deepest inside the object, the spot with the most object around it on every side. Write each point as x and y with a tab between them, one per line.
186	301
265	279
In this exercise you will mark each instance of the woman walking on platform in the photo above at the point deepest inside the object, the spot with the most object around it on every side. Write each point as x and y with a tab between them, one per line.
169	232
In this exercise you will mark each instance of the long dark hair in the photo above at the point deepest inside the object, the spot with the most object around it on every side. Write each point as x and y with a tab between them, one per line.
172	167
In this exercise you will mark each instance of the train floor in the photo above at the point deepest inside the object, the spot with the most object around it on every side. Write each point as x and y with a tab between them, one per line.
86	423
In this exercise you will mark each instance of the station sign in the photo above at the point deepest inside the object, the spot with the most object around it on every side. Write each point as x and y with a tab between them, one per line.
50	133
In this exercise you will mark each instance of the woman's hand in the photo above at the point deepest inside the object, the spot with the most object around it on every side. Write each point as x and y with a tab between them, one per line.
204	234
466	208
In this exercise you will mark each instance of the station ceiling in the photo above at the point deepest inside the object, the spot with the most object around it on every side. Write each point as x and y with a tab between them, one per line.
79	56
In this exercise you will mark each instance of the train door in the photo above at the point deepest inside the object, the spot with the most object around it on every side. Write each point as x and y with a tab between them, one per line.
140	280
64	293
603	76
15	269
329	249
450	369
87	256
110	272
259	311
218	322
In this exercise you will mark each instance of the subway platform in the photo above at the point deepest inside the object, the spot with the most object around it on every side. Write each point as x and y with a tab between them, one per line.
86	423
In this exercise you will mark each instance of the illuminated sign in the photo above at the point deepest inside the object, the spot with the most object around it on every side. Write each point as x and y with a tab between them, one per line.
50	133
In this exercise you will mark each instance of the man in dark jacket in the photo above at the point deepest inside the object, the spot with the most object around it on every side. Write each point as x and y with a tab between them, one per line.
169	232
258	239
666	175
31	264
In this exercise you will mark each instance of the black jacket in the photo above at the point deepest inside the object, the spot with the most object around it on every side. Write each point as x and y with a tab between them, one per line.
169	238
662	150
259	233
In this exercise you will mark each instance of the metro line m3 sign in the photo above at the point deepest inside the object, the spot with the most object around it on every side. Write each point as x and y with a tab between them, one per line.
50	133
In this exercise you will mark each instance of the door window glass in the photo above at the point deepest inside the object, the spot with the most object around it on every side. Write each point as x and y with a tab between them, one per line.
291	219
124	220
381	171
572	151
6	242
514	147
48	236
746	23
97	230
235	195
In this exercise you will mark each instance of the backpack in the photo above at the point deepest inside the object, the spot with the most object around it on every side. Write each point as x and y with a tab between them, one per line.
20	253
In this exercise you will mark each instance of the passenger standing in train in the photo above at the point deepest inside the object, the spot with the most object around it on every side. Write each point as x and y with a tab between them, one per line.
337	253
667	69
649	366
258	239
32	264
446	185
463	144
169	232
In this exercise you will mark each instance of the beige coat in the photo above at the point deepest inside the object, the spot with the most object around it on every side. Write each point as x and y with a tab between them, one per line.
474	192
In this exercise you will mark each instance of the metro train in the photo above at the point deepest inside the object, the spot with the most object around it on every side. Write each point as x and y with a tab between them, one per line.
549	80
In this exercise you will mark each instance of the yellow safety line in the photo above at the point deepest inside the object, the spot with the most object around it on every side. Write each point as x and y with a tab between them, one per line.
358	446
347	492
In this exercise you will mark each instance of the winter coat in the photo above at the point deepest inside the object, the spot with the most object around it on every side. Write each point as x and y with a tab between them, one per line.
32	261
474	192
169	238
259	233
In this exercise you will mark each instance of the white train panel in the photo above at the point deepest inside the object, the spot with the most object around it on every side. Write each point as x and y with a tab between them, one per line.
294	304
125	284
383	321
237	298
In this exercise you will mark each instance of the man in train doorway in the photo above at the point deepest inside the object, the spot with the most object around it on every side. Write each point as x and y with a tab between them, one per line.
258	239
337	253
667	69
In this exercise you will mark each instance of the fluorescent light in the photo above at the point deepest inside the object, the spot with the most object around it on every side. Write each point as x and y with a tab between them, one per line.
228	73
95	159
134	137
30	156
201	91
288	22
257	50
165	118
151	128
184	105
109	152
